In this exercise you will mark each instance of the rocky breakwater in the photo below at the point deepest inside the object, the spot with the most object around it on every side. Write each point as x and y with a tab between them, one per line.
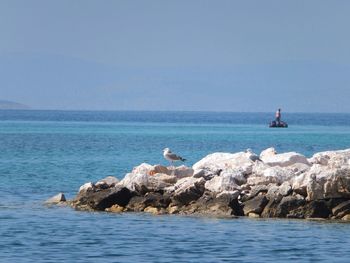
286	185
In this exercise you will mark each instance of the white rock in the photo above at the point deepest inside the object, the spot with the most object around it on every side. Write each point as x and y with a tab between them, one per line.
86	187
143	168
285	189
187	182
109	181
262	180
331	180
224	161
170	179
269	152
285	159
135	182
228	194
264	174
183	171
222	183
56	199
333	159
237	174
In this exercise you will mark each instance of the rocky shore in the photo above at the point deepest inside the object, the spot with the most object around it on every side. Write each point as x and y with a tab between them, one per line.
271	185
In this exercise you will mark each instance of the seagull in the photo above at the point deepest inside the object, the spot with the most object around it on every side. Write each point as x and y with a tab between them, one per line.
172	157
252	156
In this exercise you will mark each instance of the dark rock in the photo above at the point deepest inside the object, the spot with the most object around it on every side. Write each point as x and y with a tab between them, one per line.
223	205
254	191
255	205
270	209
289	206
102	199
317	209
341	209
151	199
301	191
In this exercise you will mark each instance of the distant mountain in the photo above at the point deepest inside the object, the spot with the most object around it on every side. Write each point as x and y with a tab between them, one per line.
11	105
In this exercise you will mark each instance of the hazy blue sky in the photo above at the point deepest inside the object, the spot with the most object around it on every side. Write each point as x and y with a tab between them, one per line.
176	55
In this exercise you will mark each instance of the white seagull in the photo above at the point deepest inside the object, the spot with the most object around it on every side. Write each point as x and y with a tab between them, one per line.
172	157
252	156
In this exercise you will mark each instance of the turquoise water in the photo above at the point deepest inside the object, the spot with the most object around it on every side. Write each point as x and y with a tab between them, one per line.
46	152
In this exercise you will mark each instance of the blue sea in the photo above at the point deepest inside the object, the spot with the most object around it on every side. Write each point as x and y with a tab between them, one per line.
46	152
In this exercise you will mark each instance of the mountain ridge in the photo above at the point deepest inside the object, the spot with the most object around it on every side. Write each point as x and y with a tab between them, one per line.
12	105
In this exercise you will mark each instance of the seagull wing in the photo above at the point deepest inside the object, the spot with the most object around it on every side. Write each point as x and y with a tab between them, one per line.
173	157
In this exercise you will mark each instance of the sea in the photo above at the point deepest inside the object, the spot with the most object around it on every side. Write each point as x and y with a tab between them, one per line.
43	153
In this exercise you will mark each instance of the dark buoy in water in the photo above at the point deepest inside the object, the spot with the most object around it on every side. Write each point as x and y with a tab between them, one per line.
281	124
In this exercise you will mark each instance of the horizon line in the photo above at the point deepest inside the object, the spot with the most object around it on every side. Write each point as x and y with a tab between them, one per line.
172	111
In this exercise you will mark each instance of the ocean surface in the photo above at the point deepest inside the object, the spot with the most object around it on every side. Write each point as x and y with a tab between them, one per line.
46	152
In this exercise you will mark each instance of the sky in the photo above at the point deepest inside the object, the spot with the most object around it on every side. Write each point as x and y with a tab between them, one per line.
187	55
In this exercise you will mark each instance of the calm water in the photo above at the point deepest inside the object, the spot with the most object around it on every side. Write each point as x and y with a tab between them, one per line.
46	152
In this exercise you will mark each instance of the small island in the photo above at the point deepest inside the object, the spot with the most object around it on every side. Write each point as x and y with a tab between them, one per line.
271	185
11	105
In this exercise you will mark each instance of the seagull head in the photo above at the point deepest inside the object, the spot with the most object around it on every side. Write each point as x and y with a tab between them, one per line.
166	150
249	150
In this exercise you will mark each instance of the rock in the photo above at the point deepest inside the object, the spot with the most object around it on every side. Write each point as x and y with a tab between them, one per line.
255	190
168	179
262	180
238	175
107	182
285	189
115	209
276	192
223	205
56	199
152	199
152	210
332	159
268	153
253	215
270	209
255	205
346	217
228	194
87	187
273	192
102	199
284	159
188	189
217	161
205	173
298	184
173	209
225	182
143	168
183	171
324	182
317	209
159	169
264	174
298	168
143	183
341	208
288	204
